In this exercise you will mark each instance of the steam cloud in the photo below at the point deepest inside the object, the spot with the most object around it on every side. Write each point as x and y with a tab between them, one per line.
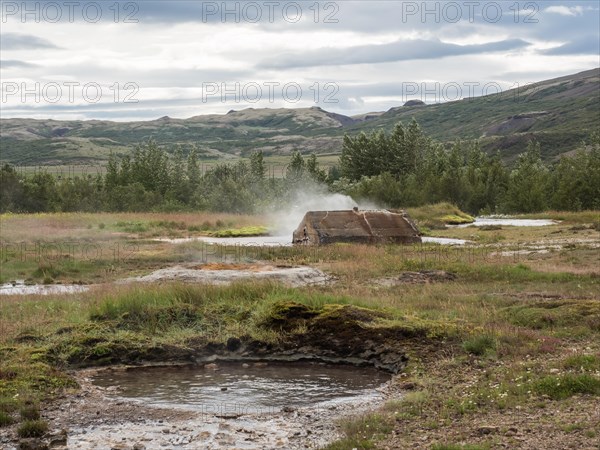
313	198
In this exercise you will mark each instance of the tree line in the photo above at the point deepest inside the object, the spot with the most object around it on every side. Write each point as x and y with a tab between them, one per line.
398	169
407	168
151	179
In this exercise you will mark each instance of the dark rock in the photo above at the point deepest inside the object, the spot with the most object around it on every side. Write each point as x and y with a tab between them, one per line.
487	429
58	439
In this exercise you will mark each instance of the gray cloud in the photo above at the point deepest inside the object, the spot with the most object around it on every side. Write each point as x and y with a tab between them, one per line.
131	53
396	51
14	63
586	45
18	41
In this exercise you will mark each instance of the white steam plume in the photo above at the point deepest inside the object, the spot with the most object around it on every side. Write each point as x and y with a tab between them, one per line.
311	198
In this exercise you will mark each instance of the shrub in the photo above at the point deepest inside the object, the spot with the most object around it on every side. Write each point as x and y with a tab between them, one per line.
30	412
5	419
32	428
480	345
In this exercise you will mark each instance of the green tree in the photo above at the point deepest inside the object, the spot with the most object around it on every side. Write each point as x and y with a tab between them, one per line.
312	167
296	168
527	183
257	165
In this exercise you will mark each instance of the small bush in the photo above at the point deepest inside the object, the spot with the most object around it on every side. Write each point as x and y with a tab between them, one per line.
30	412
46	272
480	345
101	226
561	387
5	419
32	428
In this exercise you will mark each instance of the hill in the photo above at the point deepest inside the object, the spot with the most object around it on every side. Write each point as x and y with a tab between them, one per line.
559	113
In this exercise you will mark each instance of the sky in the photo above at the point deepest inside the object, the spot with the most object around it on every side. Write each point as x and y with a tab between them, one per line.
142	60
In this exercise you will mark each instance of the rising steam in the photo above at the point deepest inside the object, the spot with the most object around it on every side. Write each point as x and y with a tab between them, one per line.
311	198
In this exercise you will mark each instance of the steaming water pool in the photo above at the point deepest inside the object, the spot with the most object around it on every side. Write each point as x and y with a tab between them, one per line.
243	388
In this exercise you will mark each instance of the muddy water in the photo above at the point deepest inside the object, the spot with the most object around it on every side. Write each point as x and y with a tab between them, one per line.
239	389
229	406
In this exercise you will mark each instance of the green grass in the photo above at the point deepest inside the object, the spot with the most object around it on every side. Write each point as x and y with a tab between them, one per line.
556	315
565	386
589	363
132	227
439	215
242	232
410	405
520	341
363	432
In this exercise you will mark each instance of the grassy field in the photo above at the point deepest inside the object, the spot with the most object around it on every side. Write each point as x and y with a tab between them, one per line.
505	354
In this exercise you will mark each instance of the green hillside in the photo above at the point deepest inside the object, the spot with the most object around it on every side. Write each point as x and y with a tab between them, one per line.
559	113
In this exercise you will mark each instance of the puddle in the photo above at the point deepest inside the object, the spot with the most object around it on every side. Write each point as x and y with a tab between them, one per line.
483	221
20	288
236	389
443	241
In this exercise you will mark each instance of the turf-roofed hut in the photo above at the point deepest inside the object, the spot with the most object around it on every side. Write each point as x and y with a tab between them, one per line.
365	227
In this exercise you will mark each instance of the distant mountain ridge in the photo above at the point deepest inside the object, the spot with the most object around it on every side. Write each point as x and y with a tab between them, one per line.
559	113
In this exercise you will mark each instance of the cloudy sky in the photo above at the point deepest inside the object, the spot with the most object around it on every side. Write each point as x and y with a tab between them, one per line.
148	59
